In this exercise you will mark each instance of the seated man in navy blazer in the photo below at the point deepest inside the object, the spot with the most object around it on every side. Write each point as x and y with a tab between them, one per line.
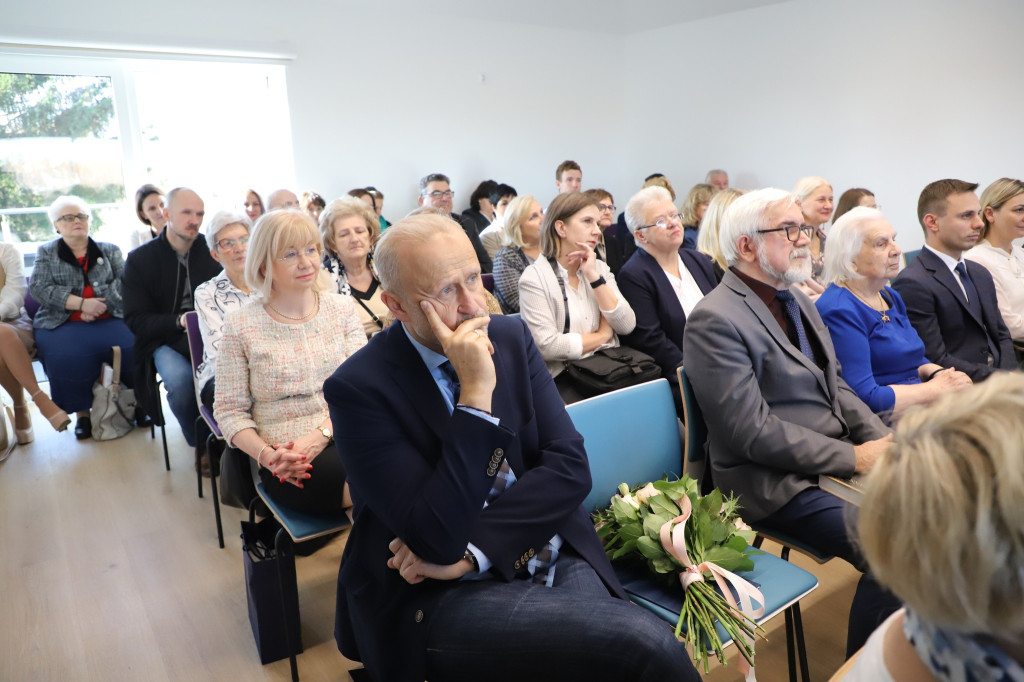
662	281
952	301
471	557
778	412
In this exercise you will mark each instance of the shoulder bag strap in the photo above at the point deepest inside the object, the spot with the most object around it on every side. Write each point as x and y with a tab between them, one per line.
116	366
565	297
370	312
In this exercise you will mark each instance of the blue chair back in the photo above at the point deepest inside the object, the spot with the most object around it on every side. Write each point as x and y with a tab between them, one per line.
911	255
631	437
696	428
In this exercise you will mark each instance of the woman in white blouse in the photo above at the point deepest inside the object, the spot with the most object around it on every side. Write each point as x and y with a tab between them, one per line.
568	297
228	238
1002	210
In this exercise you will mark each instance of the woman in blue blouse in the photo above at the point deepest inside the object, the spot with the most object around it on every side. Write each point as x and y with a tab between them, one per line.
881	355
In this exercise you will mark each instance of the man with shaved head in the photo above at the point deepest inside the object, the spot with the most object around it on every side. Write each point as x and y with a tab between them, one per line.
471	556
160	280
282	198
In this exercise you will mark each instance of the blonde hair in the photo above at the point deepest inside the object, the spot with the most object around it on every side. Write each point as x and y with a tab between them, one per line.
343	208
272	233
707	237
942	521
805	186
516	212
660	181
699	194
997	194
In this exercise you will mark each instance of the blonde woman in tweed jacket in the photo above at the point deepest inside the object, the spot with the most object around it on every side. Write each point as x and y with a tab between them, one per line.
276	354
597	312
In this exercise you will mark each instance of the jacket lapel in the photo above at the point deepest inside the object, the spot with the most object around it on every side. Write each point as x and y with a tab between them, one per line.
942	274
413	379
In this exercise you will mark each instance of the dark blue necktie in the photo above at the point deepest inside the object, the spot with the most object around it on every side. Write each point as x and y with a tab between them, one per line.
453	380
973	300
793	313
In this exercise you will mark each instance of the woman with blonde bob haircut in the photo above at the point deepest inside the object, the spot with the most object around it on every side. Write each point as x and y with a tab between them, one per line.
276	354
568	298
523	218
707	238
693	209
942	525
350	230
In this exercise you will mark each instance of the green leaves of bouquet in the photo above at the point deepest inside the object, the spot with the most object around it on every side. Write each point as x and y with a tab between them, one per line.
631	532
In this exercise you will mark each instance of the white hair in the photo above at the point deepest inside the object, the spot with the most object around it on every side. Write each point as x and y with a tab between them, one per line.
844	242
222	219
805	186
746	215
714	171
53	212
638	205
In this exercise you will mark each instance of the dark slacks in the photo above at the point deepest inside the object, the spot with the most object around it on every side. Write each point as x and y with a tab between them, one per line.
321	493
575	630
829	524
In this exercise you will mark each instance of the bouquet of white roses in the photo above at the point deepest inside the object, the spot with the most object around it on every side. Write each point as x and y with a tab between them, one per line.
677	533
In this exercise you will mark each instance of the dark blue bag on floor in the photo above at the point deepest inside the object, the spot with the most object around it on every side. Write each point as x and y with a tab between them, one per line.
266	574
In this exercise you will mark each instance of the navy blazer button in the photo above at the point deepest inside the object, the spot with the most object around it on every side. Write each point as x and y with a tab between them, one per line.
419	616
491	471
530	552
517	565
499	453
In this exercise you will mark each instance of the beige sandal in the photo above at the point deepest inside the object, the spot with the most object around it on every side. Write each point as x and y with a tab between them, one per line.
59	420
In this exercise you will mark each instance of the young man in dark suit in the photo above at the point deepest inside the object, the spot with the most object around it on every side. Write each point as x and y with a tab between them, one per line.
951	301
471	557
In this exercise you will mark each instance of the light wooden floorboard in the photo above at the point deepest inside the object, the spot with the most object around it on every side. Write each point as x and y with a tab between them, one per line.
110	570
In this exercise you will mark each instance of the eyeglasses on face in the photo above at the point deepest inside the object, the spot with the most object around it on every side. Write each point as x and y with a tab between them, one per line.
609	208
311	253
73	217
664	222
232	244
793	232
437	194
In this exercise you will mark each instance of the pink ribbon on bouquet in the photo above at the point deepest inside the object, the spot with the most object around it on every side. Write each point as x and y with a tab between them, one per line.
674	542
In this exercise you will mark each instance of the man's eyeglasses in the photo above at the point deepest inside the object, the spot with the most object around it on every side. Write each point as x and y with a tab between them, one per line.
231	244
664	222
792	231
73	217
437	194
606	207
311	253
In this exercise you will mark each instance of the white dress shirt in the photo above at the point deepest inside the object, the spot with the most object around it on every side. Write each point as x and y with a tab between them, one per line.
685	286
1007	270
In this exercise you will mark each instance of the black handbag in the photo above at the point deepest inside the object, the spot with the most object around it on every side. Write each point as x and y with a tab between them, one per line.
608	369
236	480
271	591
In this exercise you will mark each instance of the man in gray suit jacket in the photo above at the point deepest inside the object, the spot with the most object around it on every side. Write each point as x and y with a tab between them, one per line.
778	411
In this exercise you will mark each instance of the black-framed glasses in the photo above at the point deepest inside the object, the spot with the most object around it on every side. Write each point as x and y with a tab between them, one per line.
792	231
73	217
606	207
664	222
437	194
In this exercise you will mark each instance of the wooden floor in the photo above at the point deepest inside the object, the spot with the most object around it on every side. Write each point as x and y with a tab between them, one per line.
110	570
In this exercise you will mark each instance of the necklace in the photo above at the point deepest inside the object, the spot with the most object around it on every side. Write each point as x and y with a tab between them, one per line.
316	307
881	302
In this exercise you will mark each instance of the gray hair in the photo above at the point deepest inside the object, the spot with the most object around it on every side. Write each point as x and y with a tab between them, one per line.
805	186
343	208
714	171
222	219
414	228
639	203
747	215
53	212
844	242
433	177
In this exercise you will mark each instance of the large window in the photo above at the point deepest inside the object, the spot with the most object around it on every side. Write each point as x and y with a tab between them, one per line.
101	127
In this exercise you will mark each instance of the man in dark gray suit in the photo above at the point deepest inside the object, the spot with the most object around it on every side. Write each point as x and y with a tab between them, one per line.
778	411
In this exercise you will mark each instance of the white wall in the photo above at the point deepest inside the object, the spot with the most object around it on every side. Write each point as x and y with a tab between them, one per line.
878	94
887	95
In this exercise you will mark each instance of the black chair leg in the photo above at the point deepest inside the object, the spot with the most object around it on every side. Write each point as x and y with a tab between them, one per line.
214	473
167	456
199	457
790	644
801	646
282	542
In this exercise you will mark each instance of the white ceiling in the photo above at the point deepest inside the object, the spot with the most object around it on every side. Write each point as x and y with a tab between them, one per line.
616	17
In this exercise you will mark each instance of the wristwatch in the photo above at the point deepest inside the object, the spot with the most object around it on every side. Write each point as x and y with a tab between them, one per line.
327	433
471	558
597	282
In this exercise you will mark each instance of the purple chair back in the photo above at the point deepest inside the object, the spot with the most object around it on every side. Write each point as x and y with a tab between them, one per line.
195	351
31	304
488	280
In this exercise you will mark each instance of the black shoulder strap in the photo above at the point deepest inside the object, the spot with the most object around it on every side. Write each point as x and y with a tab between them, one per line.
565	297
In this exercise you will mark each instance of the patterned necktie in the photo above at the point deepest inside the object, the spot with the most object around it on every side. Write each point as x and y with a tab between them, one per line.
793	313
454	387
973	300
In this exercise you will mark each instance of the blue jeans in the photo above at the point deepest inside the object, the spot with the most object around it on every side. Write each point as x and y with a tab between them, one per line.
176	372
575	630
826	523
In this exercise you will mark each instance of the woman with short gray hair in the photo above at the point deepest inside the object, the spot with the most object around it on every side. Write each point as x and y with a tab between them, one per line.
881	354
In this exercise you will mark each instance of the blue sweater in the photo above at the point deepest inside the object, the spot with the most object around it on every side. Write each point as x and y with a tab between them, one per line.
874	354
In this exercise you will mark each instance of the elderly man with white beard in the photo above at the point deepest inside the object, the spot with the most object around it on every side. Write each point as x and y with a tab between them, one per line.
778	412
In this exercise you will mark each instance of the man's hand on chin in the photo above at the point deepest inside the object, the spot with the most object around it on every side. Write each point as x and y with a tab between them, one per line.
414	570
469	350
